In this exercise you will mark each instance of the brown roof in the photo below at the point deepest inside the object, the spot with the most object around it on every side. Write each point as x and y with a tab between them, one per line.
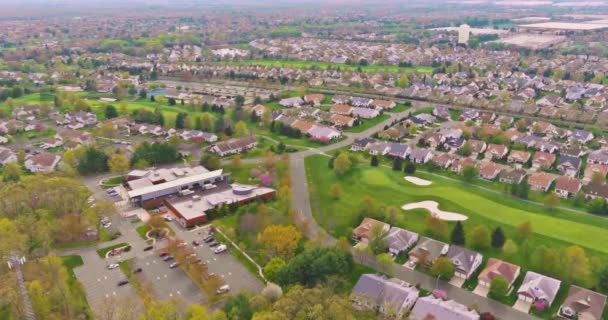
569	184
44	159
382	103
489	169
513	134
303	126
496	267
541	179
497	149
341	108
363	230
543	158
342	120
519	156
592	168
586	303
314	97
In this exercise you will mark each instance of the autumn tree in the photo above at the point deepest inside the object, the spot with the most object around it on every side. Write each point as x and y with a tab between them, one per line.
436	227
443	268
524	231
469	172
509	248
481	237
551	201
342	164
118	163
335	191
377	239
12	172
280	240
240	129
575	266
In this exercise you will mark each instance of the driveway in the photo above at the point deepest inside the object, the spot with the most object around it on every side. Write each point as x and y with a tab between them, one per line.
457	281
523	306
481	290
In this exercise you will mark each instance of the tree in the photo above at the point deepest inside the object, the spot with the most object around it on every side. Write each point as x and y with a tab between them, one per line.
272	292
239	100
575	266
342	164
466	149
509	248
280	241
314	265
443	268
551	201
155	153
180	120
335	191
603	278
385	263
523	189
397	166
436	227
197	312
377	240
118	163
410	167
272	268
597	206
498	238
499	287
143	93
524	231
238	308
207	122
469	172
12	172
110	112
240	129
481	237
458	237
94	161
39	299
211	161
374	161
160	310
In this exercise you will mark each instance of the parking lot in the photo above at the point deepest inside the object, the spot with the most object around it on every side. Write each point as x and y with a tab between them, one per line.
224	264
169	283
99	282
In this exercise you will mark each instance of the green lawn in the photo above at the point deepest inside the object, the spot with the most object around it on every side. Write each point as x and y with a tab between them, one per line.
102	252
142	230
326	65
399	108
388	188
368	123
71	262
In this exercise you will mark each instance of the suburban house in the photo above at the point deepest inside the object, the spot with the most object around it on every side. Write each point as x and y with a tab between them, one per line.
323	134
595	170
441	112
7	156
465	261
233	146
518	156
379	148
342	109
496	151
582	304
597	190
364	113
397	150
360	101
291	102
427	251
512	176
538	288
42	162
489	170
443	160
581	136
198	136
258	109
461	163
388	296
342	121
314	99
362	144
423	119
362	233
420	156
541	181
598	156
477	146
568	165
430	307
400	240
543	160
566	186
494	268
383	104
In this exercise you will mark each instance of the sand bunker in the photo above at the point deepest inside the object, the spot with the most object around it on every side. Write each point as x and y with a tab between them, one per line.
433	207
418	181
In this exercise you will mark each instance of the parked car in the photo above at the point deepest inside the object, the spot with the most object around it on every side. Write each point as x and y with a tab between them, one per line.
174	265
113	266
200	261
163	253
223	289
168	258
148	248
208	238
183	244
196	243
138	270
123	282
214	243
107	225
220	249
168	218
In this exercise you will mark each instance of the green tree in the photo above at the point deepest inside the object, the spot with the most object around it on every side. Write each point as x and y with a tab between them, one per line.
211	161
273	267
280	240
374	161
481	237
466	149
498	238
575	266
469	172
237	307
524	231
160	310
240	129
458	237
377	240
385	263
118	163
180	120
397	165
314	265
197	312
443	268
342	164
111	112
509	248
551	201
410	167
597	206
499	287
94	161
12	172
40	300
436	227
335	191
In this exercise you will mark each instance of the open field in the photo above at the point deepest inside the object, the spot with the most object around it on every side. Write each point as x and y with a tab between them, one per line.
368	123
555	228
327	65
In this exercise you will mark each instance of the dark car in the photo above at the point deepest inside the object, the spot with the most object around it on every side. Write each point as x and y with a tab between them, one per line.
138	270
123	282
168	258
196	243
214	243
148	248
208	238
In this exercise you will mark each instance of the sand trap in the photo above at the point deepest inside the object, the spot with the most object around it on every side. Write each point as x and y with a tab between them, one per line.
418	181
433	207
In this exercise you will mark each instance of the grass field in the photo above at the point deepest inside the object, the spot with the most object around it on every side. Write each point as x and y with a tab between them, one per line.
368	123
327	65
388	188
142	230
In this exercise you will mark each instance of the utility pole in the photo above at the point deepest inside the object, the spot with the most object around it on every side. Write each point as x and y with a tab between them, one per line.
15	261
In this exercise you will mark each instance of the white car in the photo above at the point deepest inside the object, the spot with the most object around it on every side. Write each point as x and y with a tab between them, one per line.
113	266
220	248
223	289
168	218
107	225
